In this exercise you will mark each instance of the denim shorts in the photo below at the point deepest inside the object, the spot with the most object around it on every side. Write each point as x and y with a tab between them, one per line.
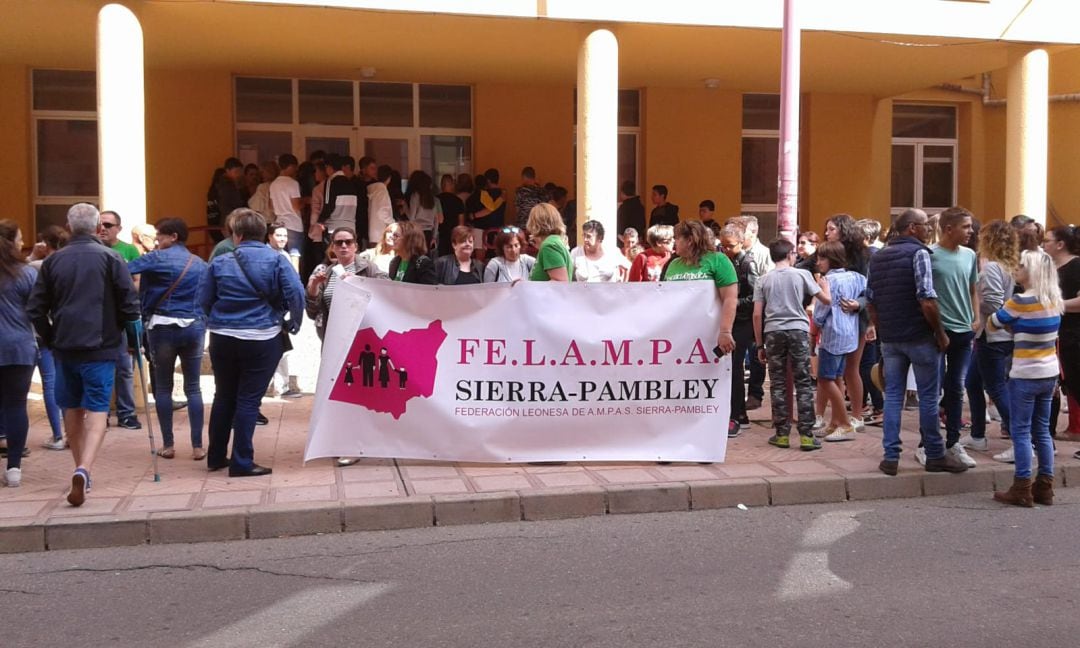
87	385
829	366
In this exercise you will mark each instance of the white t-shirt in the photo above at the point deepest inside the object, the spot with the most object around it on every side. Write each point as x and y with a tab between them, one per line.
282	190
605	269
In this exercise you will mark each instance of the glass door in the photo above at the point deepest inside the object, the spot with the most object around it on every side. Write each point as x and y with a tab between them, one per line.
393	146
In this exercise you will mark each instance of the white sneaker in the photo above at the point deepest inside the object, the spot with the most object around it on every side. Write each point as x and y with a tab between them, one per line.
992	413
969	441
54	444
14	477
857	424
819	423
844	433
920	456
958	451
1006	457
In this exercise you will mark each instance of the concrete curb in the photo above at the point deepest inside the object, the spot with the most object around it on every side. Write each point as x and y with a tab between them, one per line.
418	511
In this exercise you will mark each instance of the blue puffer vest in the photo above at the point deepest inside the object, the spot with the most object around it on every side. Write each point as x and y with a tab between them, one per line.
892	282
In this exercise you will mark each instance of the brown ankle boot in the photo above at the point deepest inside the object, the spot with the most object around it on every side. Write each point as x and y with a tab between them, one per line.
1042	491
1019	494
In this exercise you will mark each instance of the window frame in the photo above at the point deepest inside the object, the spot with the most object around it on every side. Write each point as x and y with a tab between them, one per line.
758	209
920	160
358	132
39	115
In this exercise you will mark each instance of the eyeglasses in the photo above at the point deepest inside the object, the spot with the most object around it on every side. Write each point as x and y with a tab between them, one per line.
110	225
510	230
345	242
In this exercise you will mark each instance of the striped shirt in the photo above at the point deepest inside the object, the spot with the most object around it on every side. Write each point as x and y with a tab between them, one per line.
840	330
1035	331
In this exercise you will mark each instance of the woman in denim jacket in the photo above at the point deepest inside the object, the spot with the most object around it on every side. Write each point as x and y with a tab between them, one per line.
176	327
251	296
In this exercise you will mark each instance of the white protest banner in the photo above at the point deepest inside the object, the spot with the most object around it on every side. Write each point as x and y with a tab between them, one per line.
538	371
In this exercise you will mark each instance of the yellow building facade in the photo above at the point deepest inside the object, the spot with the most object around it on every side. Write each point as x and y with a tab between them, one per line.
901	101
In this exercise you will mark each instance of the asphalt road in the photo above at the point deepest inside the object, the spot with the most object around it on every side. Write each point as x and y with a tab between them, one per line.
951	571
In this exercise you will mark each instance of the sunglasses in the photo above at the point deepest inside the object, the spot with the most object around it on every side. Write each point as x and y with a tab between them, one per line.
345	242
110	225
510	230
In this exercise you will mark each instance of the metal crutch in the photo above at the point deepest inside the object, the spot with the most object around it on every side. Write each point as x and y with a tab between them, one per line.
146	406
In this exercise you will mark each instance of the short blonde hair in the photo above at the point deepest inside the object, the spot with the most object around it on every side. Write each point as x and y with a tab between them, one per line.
545	220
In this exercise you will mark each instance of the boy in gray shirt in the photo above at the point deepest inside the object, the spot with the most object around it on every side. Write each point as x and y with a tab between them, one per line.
782	333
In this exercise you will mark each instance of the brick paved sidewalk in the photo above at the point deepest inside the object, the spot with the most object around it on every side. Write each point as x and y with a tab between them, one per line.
190	504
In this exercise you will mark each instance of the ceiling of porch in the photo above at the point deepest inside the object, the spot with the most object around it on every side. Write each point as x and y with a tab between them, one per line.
318	42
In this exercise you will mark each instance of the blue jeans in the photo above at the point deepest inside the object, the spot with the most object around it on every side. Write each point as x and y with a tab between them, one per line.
989	373
1031	422
924	358
167	343
125	383
242	371
47	366
957	357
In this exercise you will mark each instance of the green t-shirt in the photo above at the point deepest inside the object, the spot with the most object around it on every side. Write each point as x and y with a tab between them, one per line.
402	268
224	246
128	251
955	272
552	254
713	266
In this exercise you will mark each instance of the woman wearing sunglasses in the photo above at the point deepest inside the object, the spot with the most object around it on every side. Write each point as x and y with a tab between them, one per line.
321	284
511	265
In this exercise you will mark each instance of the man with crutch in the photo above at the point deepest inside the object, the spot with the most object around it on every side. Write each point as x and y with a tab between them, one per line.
82	302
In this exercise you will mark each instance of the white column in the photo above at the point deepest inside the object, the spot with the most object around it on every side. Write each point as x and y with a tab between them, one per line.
787	207
598	131
121	115
1026	126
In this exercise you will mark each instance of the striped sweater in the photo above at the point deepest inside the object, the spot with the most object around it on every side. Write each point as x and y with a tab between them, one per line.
1035	331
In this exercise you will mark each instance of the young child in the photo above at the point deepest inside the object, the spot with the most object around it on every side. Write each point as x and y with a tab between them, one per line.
782	333
1034	317
839	332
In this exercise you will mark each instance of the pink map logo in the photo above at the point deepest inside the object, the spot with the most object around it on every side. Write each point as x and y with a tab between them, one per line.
384	373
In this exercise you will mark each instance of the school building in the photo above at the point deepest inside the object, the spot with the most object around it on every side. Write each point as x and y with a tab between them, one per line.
924	103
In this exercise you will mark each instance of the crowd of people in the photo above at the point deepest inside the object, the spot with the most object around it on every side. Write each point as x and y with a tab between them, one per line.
852	327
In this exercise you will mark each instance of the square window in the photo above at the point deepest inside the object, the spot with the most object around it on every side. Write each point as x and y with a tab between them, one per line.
761	112
67	157
73	90
445	106
442	154
326	102
386	104
256	147
264	100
